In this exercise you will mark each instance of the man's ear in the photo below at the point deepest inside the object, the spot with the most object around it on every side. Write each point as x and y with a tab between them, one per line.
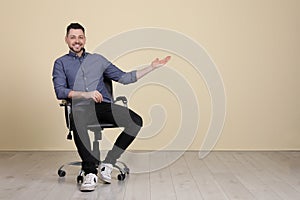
66	39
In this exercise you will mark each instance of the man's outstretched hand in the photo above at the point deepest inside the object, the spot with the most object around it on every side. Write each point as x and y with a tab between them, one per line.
155	64
159	63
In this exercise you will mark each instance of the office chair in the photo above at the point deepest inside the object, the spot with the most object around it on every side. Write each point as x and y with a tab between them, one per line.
97	131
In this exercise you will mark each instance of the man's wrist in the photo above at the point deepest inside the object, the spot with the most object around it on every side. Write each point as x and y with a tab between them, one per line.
76	94
152	67
70	95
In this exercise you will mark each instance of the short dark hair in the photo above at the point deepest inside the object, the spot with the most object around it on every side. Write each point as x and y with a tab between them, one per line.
75	26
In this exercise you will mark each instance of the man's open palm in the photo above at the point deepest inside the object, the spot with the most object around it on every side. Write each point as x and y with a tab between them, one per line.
158	63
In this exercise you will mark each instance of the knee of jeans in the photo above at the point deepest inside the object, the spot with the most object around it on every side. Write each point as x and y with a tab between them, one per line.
139	121
135	127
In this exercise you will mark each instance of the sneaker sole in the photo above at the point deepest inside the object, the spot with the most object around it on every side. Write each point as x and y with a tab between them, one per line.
105	180
88	189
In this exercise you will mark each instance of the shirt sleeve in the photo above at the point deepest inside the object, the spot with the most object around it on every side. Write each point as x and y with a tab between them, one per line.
129	77
120	76
60	81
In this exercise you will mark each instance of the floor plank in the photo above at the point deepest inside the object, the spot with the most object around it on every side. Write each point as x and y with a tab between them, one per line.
229	182
166	176
183	182
207	184
256	164
161	185
253	184
138	187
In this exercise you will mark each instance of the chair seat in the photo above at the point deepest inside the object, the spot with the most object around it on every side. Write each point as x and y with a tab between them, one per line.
101	126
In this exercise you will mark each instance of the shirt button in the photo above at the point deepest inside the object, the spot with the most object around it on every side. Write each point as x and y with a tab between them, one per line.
87	89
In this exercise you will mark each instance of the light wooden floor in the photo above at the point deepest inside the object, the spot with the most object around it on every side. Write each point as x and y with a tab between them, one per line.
221	175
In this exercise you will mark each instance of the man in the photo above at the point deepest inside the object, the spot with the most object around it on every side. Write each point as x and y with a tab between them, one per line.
78	76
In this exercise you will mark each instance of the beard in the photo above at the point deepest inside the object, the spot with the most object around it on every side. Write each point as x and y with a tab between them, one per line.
76	50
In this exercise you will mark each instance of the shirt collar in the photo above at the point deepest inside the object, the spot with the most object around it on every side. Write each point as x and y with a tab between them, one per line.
73	54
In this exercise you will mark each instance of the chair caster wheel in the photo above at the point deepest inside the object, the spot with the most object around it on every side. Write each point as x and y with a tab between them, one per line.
127	170
79	179
61	173
121	177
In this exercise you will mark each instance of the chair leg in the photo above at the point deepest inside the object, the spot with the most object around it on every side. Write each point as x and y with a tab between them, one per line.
61	172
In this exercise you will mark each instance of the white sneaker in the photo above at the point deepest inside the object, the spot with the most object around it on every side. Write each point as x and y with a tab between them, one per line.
105	172
89	183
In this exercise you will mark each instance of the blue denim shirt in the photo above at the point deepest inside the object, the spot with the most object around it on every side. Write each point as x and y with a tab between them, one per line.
86	73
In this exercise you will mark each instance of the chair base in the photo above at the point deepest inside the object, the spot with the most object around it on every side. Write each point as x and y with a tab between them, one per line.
123	169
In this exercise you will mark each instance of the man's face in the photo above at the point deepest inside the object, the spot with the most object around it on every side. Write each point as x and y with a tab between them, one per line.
76	40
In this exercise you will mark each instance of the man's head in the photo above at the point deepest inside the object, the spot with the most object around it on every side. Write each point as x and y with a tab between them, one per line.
75	38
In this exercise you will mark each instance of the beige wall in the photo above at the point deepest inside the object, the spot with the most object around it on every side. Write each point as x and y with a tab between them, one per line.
254	43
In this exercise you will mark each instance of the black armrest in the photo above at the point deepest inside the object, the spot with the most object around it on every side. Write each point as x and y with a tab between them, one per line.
123	99
65	103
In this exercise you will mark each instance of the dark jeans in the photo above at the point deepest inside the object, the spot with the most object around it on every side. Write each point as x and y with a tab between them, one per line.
103	113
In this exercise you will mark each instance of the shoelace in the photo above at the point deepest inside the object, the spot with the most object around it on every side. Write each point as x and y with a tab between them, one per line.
89	179
106	170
